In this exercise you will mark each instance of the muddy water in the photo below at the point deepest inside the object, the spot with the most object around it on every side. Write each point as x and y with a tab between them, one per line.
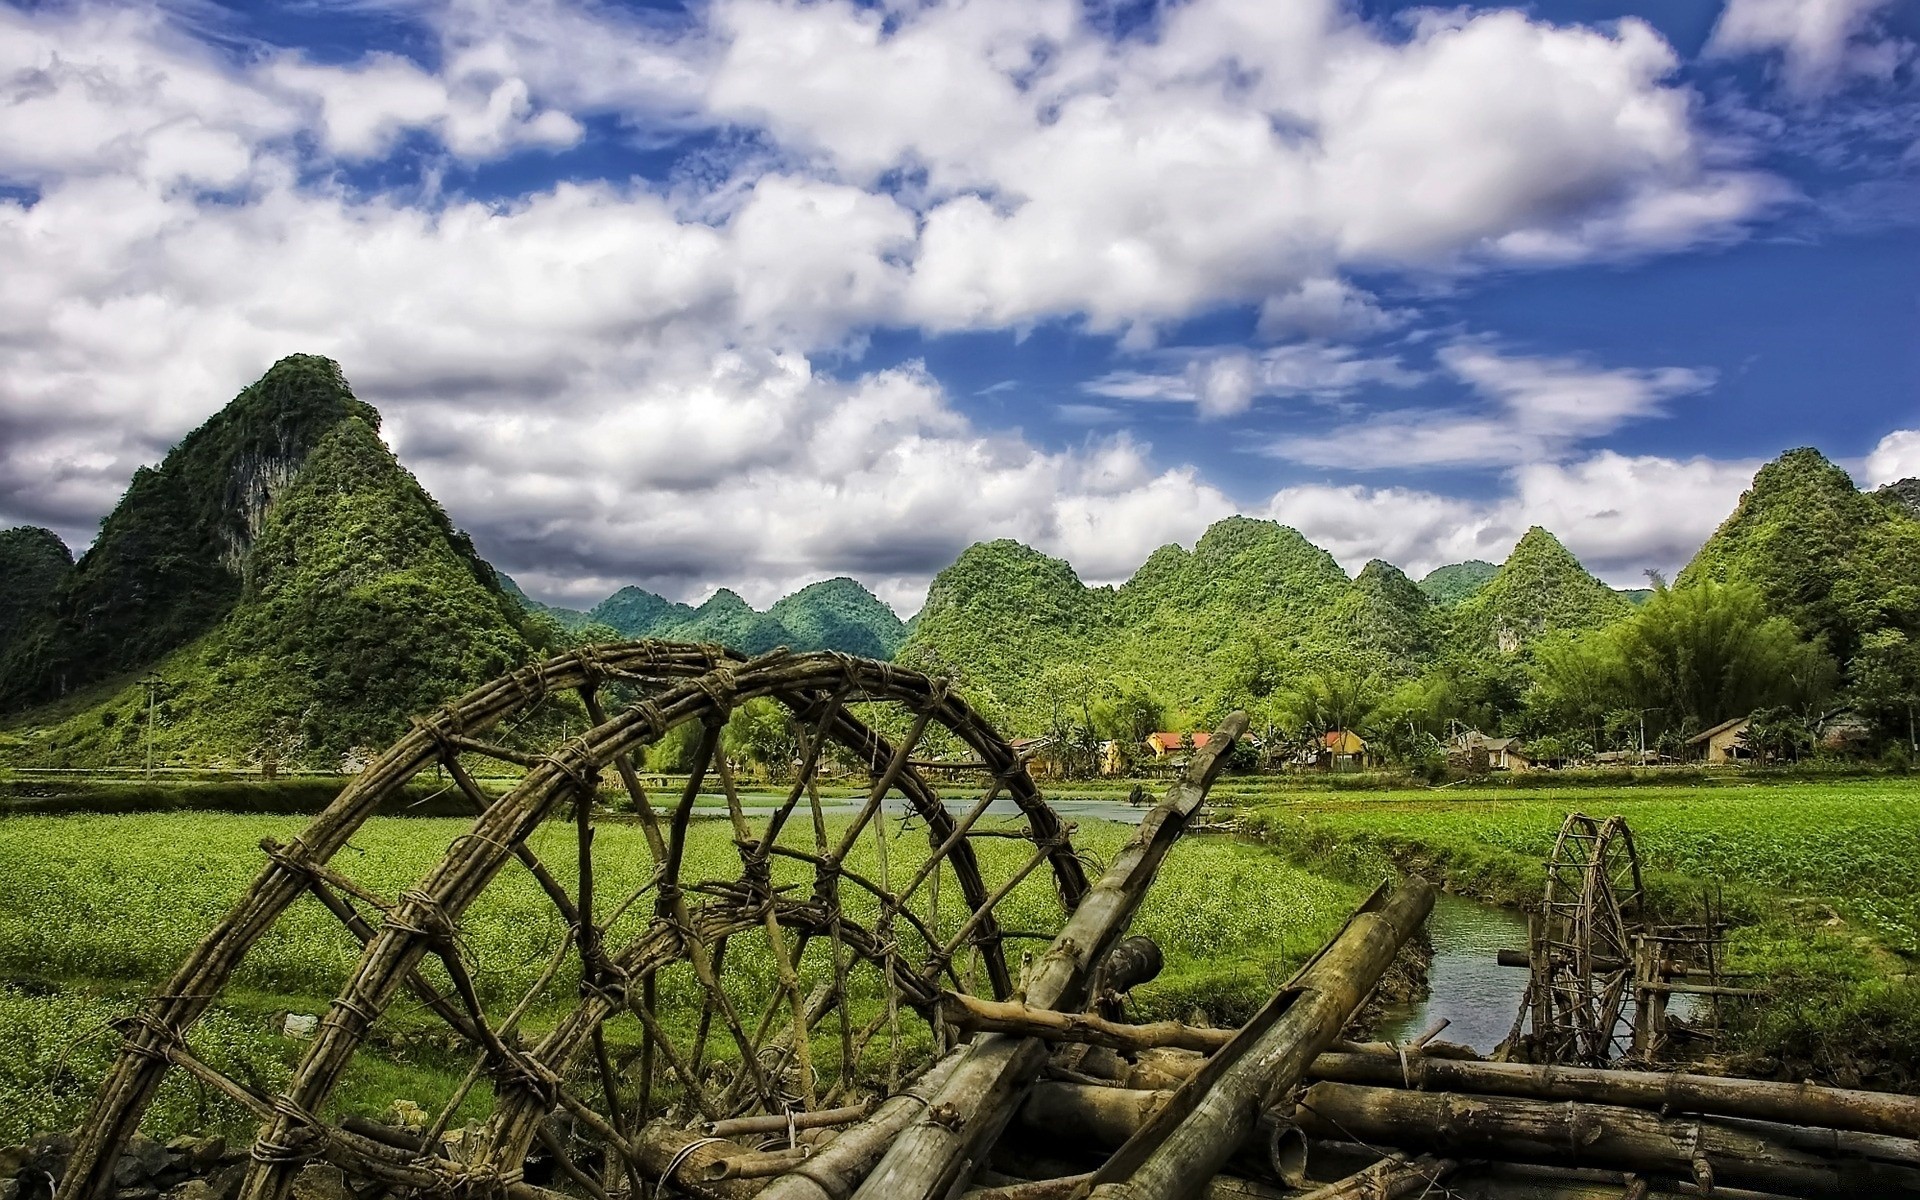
1479	997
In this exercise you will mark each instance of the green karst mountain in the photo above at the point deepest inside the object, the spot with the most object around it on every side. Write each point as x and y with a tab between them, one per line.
1540	589
293	585
635	612
842	615
299	594
1838	562
1901	493
567	618
1001	613
1449	585
170	560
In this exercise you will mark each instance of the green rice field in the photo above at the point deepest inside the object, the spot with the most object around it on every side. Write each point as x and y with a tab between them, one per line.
95	911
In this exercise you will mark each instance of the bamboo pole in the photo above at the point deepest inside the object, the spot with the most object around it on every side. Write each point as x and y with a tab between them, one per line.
1574	1134
1793	1103
837	1168
975	1105
1168	1161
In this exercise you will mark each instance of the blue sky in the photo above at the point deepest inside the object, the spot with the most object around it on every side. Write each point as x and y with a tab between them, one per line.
753	292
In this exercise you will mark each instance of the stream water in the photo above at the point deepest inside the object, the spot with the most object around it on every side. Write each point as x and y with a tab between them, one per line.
1477	996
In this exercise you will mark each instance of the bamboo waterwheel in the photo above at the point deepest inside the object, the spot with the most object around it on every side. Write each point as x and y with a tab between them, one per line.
1582	948
781	955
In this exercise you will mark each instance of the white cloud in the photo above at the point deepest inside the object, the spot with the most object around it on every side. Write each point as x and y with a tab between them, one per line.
1620	515
1895	457
752	472
1325	308
1239	155
1539	410
1222	381
1820	42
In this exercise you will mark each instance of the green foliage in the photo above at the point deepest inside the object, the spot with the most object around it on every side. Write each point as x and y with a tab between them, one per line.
1691	657
1449	585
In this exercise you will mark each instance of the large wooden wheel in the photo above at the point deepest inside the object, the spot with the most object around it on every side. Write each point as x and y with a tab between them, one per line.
1582	950
802	977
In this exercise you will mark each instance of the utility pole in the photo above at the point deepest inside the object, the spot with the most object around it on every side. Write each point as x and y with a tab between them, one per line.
154	685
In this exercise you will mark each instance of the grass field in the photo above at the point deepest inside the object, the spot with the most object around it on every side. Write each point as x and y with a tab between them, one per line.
97	910
1823	878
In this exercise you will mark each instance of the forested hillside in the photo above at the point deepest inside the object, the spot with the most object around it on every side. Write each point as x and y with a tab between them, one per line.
1254	616
1449	585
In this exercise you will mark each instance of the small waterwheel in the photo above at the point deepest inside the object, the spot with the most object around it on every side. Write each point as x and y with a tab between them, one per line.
1581	948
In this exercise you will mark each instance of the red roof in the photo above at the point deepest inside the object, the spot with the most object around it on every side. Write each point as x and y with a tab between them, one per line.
1167	739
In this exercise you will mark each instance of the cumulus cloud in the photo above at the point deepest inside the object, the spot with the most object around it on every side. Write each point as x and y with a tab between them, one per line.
1820	42
1537	410
1895	457
753	472
1621	515
1239	154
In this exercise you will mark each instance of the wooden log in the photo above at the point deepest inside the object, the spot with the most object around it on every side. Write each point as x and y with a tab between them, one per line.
1793	1103
1574	1134
976	1103
1103	1117
1168	1158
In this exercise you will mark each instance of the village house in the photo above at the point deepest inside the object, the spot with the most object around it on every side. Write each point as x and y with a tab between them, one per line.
1502	753
1167	744
1724	743
1343	750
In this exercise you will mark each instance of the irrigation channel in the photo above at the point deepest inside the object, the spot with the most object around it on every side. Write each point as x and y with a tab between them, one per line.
1470	991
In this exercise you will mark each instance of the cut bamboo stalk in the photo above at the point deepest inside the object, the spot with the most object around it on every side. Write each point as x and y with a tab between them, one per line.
1574	1134
976	1103
1796	1103
1215	1111
1389	1179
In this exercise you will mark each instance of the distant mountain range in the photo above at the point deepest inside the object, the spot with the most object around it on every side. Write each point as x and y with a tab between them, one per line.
834	614
300	594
